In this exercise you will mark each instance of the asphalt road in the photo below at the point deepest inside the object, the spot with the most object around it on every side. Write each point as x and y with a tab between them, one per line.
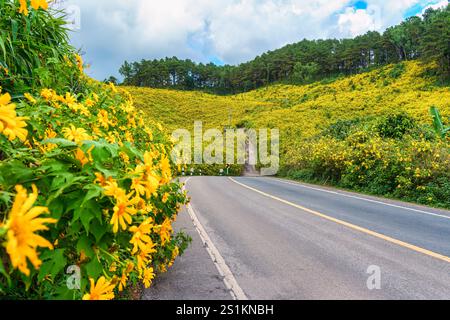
283	240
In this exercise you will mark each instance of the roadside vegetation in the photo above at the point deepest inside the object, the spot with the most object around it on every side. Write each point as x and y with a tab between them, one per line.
86	185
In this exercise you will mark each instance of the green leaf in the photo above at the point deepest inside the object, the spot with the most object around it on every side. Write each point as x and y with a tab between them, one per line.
86	212
44	270
103	151
98	230
85	244
63	143
15	27
63	182
2	46
94	268
15	172
55	261
56	208
4	273
130	150
93	191
86	219
5	197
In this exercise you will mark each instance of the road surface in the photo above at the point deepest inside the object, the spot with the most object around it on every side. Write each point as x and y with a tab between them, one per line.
276	239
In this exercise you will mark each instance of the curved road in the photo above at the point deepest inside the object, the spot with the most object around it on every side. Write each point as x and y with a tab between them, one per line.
285	240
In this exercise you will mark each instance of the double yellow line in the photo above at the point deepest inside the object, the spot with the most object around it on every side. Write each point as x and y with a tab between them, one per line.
352	226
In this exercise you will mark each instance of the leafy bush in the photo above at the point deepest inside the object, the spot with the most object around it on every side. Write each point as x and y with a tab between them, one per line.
413	169
397	70
395	126
85	182
341	129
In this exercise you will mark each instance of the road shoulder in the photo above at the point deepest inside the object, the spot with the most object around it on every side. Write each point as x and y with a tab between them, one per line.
193	275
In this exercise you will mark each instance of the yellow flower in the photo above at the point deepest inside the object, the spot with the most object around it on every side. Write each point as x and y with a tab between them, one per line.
49	134
148	277
113	87
101	180
113	267
144	256
125	158
143	206
123	281
139	185
165	231
175	252
112	189
103	290
76	134
11	125
166	172
129	137
30	98
69	99
22	224
123	210
111	138
130	267
165	197
23	7
89	103
141	236
48	94
83	157
36	4
102	119
79	62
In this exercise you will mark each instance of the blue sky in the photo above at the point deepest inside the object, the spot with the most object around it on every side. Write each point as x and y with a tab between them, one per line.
221	31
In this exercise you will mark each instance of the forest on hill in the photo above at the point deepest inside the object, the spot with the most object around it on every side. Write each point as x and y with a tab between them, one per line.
424	38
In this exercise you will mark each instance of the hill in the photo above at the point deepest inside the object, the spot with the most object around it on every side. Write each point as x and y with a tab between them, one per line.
369	132
424	38
306	108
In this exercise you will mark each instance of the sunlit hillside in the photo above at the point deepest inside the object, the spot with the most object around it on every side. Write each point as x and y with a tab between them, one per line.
307	108
370	132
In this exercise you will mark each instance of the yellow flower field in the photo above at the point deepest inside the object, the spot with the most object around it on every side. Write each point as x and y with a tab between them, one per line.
335	132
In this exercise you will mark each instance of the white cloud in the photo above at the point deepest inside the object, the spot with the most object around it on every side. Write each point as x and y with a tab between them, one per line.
232	30
357	21
435	6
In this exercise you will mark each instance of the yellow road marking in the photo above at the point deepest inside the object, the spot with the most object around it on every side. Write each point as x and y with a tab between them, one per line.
352	226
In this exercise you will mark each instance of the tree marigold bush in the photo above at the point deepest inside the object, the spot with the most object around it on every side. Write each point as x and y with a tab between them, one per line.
86	185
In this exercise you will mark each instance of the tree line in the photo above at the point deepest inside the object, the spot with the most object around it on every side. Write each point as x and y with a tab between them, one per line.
426	38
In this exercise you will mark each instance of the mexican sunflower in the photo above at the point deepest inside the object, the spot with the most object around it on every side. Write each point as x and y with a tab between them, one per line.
165	231
23	7
11	125
24	220
76	134
123	210
36	4
103	290
141	236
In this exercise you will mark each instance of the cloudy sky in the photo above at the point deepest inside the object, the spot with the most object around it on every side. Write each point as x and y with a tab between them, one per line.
222	31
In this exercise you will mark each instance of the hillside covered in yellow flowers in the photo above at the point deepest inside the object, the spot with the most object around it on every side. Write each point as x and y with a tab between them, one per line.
370	132
306	108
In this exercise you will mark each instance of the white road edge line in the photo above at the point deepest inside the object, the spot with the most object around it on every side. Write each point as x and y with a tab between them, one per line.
361	198
350	225
228	278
